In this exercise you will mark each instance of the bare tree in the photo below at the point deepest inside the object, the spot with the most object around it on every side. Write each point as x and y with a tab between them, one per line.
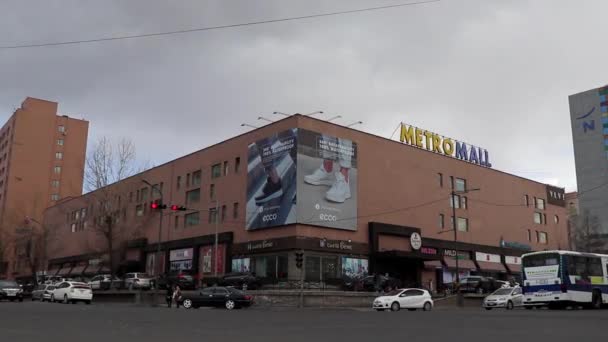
32	241
585	230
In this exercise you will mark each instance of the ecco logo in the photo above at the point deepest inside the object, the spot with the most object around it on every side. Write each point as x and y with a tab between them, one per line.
269	217
327	217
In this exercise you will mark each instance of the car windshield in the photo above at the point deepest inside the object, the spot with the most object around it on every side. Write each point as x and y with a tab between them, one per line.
8	283
503	292
394	293
546	259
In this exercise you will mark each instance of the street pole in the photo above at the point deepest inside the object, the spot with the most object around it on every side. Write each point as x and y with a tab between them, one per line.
217	214
459	297
301	301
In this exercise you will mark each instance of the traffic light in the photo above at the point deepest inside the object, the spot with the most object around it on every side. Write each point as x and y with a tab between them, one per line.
157	205
175	207
299	259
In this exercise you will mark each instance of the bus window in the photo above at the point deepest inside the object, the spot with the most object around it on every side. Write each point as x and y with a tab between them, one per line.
541	260
595	267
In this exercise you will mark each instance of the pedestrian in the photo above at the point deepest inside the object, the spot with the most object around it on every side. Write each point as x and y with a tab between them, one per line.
177	296
169	295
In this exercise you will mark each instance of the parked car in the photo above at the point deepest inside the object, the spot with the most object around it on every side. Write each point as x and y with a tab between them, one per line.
72	292
42	292
227	297
410	299
105	282
508	297
241	280
138	281
184	279
478	284
10	290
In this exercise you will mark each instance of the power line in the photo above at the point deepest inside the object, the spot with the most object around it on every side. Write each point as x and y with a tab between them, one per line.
209	28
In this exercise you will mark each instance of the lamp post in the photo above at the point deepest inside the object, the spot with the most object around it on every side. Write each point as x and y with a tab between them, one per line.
459	297
160	232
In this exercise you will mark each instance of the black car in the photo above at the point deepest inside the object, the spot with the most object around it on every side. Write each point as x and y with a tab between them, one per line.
241	280
184	279
227	297
10	290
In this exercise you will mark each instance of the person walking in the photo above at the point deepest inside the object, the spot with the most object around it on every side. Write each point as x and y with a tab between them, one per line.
169	295
177	296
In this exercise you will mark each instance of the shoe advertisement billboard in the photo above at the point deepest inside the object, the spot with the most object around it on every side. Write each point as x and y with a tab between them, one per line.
327	181
302	176
271	181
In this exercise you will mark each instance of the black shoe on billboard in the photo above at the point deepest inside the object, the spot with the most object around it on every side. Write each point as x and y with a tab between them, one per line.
269	192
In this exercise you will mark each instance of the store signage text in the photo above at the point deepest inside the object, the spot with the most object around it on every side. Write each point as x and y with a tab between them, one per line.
416	241
341	245
181	254
428	251
430	141
253	246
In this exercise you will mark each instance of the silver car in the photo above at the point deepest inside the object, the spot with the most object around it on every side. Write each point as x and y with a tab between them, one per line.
508	297
43	293
138	281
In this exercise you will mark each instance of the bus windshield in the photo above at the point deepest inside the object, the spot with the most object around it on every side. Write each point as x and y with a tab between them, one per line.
549	259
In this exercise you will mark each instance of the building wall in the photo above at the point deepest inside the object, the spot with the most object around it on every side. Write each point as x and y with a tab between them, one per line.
395	181
31	158
588	114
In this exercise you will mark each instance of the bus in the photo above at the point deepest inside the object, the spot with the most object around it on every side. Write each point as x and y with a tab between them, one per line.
560	278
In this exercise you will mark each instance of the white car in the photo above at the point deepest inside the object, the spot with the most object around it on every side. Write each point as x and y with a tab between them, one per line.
138	281
506	297
410	299
72	292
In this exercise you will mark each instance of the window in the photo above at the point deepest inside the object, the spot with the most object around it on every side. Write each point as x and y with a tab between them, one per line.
538	218
529	235
542	238
540	204
452	182
57	170
55	183
73	227
176	222
441	221
595	267
556	219
178	183
545	219
138	197
223	213
61	128
527	200
537	236
237	164
196	178
55	197
83	212
463	224
440	179
60	142
144	194
187	179
216	171
455	202
463	202
193	196
460	184
212	215
139	210
212	191
161	186
235	210
191	219
225	168
58	155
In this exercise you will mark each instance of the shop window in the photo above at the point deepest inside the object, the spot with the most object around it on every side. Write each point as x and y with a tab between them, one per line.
463	224
193	197
191	219
313	268
282	267
441	221
237	164
265	266
196	178
216	171
329	268
460	184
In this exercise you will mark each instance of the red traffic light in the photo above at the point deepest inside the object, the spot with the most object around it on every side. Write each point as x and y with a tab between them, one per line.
154	205
175	207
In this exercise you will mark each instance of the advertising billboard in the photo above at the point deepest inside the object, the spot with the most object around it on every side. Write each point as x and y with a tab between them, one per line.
300	176
354	267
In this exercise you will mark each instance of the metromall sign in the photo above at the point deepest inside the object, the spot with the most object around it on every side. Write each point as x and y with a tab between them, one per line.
433	142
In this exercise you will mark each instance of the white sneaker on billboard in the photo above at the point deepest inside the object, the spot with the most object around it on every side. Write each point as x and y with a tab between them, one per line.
320	177
340	190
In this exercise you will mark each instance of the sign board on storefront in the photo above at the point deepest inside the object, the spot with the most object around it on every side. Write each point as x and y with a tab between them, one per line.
513	260
257	245
428	250
415	241
462	255
514	245
479	256
181	254
340	245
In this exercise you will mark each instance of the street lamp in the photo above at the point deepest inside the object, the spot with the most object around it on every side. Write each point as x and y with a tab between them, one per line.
160	231
248	125
459	298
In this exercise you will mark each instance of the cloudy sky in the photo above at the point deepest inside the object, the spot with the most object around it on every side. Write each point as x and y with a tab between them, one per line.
495	73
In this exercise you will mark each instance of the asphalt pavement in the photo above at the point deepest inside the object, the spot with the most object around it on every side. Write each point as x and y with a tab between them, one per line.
34	321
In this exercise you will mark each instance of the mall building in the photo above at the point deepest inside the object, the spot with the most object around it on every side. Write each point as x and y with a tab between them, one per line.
353	203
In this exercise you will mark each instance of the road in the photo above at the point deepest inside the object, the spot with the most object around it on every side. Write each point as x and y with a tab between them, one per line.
47	322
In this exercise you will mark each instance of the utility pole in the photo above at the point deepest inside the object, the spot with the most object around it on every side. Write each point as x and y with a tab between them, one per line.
215	246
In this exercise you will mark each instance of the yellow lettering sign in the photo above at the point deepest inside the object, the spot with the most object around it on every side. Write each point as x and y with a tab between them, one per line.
407	134
428	136
418	137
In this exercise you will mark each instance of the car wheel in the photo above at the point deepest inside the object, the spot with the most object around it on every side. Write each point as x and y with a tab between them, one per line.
230	304
187	303
395	306
52	300
65	299
427	306
510	305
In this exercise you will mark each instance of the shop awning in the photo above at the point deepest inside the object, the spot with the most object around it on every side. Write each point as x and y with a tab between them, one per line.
462	264
53	270
78	270
491	266
433	264
514	268
65	270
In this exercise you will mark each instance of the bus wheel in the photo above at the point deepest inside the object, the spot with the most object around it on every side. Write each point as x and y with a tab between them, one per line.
596	301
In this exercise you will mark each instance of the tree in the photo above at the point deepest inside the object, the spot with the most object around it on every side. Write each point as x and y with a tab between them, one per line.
32	242
106	165
585	232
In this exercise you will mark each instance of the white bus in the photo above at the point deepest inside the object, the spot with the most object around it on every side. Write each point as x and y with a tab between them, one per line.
559	278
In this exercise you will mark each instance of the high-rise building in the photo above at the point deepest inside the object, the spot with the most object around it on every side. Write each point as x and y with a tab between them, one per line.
589	118
42	157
